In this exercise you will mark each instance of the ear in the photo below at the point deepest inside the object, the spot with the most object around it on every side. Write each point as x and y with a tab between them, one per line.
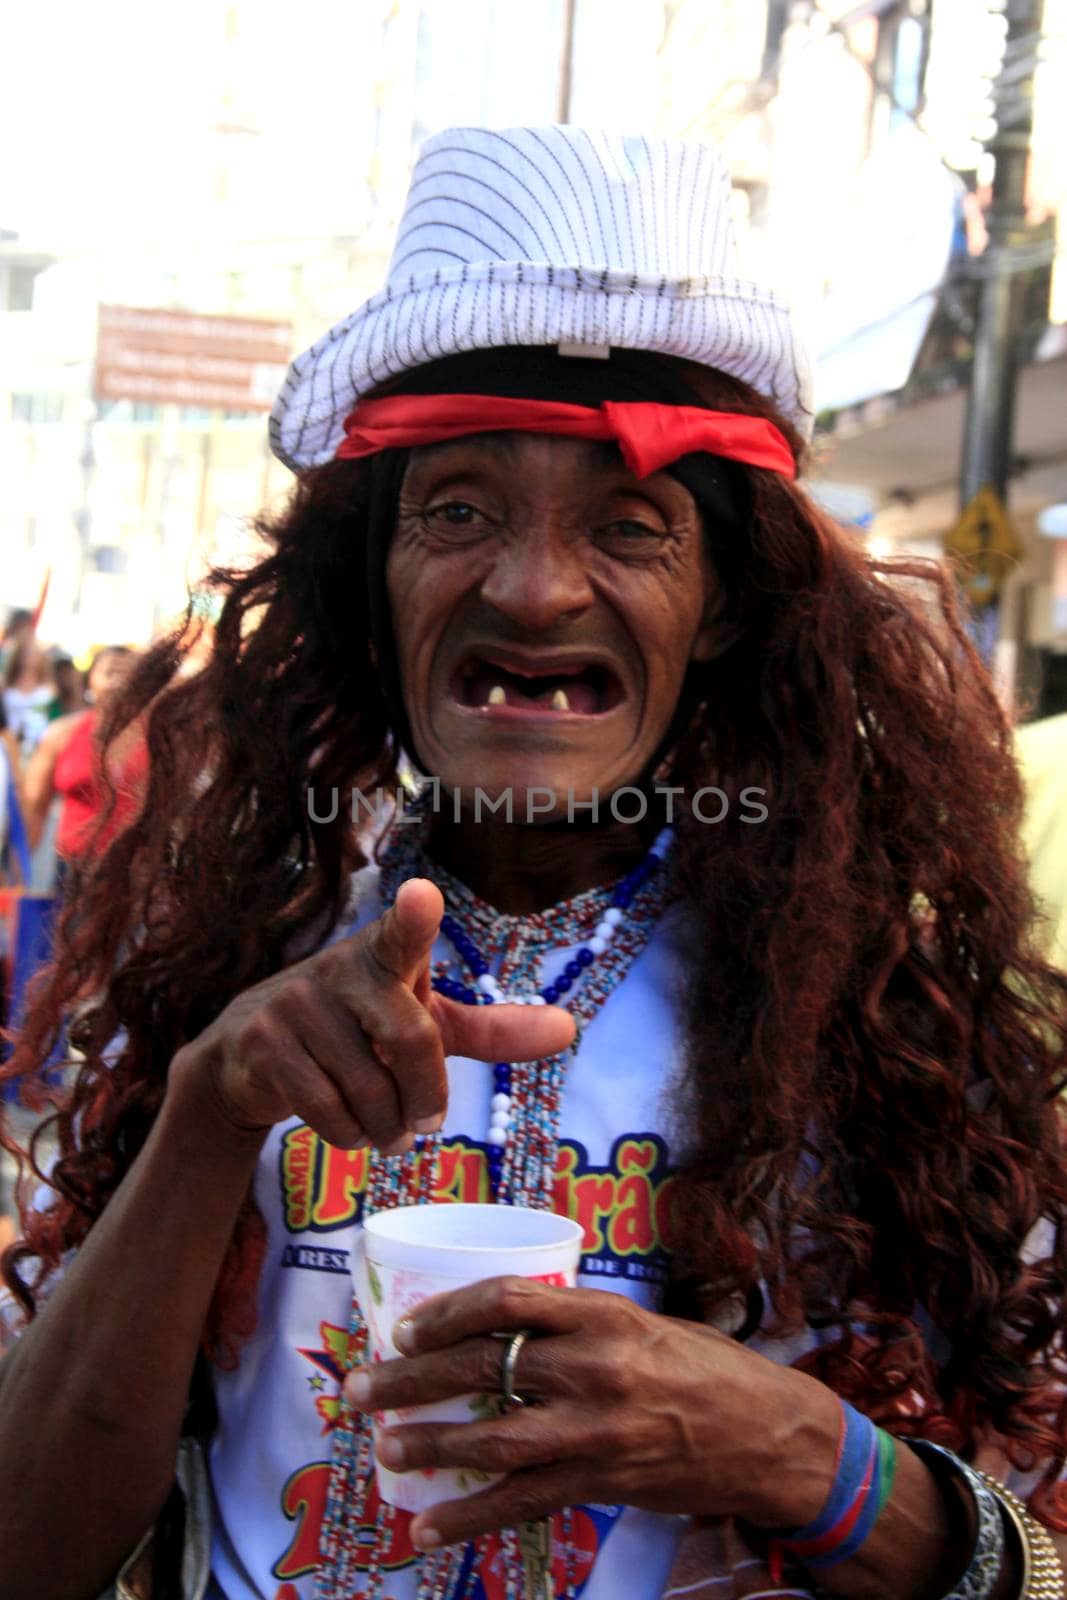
718	629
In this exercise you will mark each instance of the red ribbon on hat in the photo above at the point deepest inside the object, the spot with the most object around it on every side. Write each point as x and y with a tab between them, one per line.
649	434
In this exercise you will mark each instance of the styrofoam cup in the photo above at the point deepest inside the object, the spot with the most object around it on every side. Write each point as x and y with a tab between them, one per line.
404	1256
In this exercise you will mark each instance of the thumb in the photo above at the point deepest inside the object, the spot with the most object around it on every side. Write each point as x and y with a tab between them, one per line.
404	936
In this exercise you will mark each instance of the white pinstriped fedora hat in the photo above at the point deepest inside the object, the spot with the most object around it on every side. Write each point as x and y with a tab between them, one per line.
550	236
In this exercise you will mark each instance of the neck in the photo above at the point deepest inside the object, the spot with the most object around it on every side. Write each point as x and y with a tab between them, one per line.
520	869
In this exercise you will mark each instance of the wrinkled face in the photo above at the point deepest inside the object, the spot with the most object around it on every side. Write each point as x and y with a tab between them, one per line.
546	604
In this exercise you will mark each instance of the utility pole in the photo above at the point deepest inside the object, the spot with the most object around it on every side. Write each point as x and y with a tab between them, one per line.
987	443
566	64
778	14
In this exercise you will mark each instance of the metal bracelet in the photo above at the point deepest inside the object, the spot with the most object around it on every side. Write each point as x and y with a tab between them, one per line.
1042	1570
982	1574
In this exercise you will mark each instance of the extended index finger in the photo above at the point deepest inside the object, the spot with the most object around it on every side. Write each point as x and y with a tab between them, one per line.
502	1032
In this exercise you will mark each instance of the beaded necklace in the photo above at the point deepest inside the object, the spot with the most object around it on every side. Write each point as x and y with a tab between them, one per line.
488	990
356	1547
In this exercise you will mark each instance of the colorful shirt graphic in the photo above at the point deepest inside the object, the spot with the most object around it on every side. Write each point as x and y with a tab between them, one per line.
624	1206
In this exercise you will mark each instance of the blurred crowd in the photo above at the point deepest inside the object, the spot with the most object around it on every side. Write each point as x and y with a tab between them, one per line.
52	793
57	805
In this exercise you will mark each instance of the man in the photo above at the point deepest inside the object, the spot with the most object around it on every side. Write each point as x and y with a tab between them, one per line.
691	756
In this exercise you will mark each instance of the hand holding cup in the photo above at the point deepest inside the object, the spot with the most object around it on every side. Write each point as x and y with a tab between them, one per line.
408	1255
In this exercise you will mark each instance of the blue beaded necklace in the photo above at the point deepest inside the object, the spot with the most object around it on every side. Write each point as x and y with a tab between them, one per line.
487	990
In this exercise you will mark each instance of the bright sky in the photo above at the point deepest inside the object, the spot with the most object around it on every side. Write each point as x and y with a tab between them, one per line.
114	109
117	111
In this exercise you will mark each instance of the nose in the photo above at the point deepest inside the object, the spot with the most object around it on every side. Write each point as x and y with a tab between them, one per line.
539	578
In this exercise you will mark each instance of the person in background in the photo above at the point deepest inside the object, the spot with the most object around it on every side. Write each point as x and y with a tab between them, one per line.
28	689
1041	750
19	623
69	685
8	742
67	764
18	627
9	767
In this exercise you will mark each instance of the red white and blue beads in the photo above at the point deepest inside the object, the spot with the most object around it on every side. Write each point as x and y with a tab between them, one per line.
487	989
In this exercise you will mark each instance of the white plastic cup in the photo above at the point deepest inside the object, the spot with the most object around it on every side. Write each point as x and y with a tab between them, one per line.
404	1256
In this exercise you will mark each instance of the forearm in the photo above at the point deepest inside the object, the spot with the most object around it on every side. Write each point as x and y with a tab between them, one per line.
921	1542
914	1551
37	788
93	1394
35	819
34	814
92	1398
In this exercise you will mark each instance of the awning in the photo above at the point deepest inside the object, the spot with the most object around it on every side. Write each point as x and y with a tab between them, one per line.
875	315
906	456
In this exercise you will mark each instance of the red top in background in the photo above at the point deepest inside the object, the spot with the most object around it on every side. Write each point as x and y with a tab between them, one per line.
79	781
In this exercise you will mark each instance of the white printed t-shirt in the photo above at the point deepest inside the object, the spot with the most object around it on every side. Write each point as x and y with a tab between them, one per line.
620	1134
270	1457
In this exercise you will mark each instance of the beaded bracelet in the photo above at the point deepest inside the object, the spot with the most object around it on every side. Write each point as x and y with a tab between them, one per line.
864	1467
980	1579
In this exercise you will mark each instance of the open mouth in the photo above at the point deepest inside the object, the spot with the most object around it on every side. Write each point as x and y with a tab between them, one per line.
577	689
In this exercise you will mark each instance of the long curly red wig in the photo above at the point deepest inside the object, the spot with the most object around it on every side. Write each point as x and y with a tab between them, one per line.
875	1049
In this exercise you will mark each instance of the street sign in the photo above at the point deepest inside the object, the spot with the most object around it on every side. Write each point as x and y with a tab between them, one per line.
183	358
985	545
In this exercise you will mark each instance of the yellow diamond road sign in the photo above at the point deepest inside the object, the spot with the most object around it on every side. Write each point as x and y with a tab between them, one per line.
985	545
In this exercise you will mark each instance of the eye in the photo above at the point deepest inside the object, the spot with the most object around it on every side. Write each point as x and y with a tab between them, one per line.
630	528
457	513
631	535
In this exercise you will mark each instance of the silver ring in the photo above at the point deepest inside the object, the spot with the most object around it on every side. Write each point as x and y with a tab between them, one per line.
507	1370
